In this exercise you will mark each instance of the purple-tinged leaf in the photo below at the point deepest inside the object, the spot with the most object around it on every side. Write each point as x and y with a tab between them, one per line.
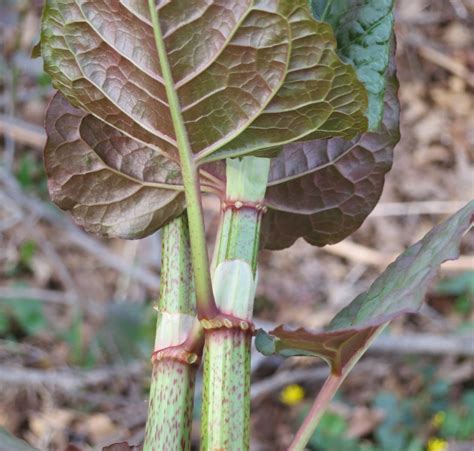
250	75
400	289
112	184
323	190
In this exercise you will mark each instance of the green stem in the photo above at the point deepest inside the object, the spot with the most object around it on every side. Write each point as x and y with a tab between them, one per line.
325	395
205	300
327	8
226	401
321	403
172	387
226	391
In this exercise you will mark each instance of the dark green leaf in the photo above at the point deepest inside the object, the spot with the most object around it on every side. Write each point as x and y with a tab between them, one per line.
364	30
400	289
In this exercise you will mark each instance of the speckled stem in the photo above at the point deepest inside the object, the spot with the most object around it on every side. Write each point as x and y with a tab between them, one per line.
226	392
174	364
226	400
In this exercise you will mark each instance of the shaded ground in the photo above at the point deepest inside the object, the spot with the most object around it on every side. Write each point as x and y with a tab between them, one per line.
76	322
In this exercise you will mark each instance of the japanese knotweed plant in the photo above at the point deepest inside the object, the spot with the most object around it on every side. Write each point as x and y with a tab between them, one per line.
287	111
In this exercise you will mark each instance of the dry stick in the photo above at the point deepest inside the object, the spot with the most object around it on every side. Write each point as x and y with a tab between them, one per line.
75	235
314	375
52	255
51	296
436	207
65	380
439	58
22	132
362	254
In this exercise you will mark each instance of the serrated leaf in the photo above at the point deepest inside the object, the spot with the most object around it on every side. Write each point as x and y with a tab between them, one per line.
249	76
364	30
323	190
400	289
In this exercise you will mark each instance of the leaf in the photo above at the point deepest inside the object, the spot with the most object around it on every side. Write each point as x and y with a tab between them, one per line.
28	314
400	289
323	190
250	76
112	184
364	31
10	443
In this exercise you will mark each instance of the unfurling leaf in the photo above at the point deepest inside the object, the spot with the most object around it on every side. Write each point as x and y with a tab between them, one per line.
323	190
364	31
250	77
400	289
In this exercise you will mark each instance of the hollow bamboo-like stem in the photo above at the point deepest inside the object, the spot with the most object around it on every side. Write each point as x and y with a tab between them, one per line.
226	403
226	391
174	360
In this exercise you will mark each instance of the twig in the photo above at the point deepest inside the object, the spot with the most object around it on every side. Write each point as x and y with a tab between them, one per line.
22	132
64	380
50	296
55	297
459	8
75	235
424	344
441	59
417	208
358	253
283	378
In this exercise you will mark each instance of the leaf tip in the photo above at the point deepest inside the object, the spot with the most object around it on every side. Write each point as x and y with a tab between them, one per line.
36	50
265	343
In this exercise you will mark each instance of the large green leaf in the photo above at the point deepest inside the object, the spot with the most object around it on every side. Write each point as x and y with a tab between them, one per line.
400	289
364	30
248	76
323	190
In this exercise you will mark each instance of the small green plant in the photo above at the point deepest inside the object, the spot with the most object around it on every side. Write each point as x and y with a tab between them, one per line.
20	317
285	110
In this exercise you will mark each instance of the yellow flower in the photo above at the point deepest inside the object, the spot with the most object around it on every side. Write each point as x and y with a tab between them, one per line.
437	444
292	395
438	419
